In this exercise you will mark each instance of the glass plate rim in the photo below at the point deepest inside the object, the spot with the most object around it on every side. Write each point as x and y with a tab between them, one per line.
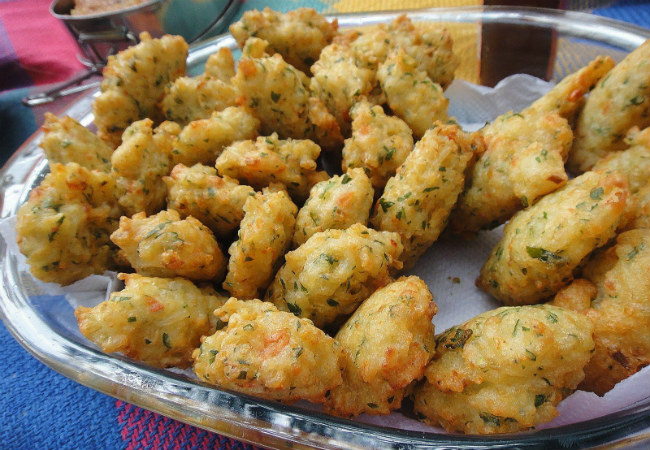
334	432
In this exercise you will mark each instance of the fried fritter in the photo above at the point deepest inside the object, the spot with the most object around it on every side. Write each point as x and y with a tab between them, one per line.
220	65
545	243
638	216
189	99
164	245
568	96
63	229
620	101
388	342
525	154
635	164
139	164
158	321
379	143
271	160
217	202
338	203
418	199
616	296
278	94
342	77
298	35
134	83
504	370
523	161
66	140
263	238
194	98
329	275
410	93
346	69
431	47
202	141
269	353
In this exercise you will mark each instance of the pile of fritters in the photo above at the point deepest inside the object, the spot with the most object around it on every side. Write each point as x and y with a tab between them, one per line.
182	169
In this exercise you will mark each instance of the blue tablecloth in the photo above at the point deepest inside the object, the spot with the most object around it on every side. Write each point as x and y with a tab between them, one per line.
40	409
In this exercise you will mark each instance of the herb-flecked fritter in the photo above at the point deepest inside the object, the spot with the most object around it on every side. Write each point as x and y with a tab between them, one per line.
66	140
410	93
635	164
202	141
388	342
263	238
134	83
379	143
164	245
329	275
338	203
298	35
194	98
523	161
63	228
279	96
139	164
199	192
504	370
269	353
615	295
525	154
544	244
270	160
620	101
158	321
418	199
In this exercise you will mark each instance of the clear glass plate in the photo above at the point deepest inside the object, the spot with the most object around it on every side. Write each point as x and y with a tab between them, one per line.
48	329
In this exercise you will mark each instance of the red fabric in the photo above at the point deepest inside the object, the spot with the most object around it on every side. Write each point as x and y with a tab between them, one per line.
44	47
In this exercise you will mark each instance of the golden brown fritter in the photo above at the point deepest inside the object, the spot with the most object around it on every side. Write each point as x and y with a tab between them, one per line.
346	69
388	342
270	160
139	164
298	35
431	47
525	154
545	243
615	295
504	370
338	203
269	353
341	79
379	143
66	140
523	161
329	275
263	238
158	321
568	96
635	164
418	199
189	99
217	202
63	229
620	101
134	83
410	93
164	245
202	141
278	94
